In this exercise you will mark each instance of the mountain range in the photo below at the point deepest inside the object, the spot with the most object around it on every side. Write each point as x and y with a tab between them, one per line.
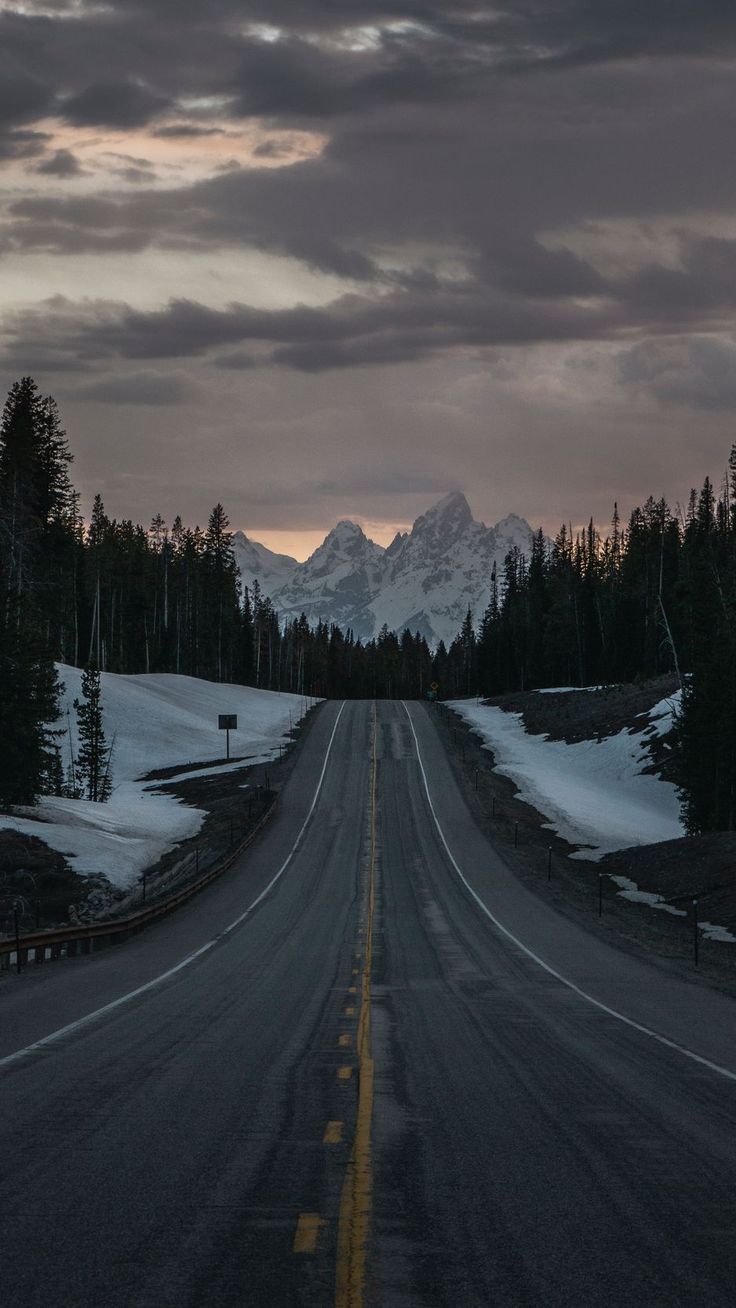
426	579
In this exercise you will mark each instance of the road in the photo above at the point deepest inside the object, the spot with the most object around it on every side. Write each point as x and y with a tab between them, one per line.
399	1079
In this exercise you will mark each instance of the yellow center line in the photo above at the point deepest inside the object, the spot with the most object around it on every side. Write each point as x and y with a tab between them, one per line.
350	1011
352	990
307	1233
344	1073
333	1133
357	1191
345	1039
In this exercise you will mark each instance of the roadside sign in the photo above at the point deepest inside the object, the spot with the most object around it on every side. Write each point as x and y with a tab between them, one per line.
434	685
227	722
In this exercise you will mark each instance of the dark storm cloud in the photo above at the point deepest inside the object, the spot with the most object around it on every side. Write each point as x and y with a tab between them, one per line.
295	79
22	144
23	94
700	373
186	131
140	388
352	331
705	281
455	134
113	104
61	164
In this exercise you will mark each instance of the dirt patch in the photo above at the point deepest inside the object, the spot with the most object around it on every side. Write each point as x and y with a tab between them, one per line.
37	881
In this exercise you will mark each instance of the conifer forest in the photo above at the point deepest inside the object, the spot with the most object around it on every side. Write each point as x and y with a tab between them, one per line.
655	594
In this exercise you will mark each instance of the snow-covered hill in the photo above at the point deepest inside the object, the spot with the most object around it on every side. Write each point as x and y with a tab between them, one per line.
426	580
595	793
156	721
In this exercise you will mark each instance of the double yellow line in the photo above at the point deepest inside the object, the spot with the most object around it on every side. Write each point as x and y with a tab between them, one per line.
357	1191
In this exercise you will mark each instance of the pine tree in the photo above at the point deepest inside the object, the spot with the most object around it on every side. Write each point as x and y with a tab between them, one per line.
29	705
30	493
93	758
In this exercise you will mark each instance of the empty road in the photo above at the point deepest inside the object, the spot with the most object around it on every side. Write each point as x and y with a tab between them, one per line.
366	1067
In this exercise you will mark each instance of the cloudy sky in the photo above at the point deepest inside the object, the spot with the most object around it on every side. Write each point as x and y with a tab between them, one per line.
332	259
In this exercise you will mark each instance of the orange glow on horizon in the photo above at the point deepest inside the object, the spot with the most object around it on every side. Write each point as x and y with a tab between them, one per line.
300	544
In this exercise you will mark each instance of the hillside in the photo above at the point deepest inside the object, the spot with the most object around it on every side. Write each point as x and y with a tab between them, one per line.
598	791
155	722
588	776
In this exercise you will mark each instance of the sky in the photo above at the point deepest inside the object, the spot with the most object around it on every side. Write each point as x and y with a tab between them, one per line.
335	259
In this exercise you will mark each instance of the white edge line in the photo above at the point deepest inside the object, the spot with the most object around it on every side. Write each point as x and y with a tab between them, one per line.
597	1003
63	1031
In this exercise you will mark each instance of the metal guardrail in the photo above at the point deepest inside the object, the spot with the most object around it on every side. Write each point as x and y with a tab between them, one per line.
84	938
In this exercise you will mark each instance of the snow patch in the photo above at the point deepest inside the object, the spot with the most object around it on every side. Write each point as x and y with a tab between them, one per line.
593	792
713	932
569	690
156	721
630	890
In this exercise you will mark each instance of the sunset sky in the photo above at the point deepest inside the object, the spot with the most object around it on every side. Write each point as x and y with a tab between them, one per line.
322	260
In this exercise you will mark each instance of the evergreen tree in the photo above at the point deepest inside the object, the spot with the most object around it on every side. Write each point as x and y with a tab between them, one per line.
32	490
94	756
29	704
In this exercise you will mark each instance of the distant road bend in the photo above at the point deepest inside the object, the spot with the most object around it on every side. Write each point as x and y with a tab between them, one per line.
366	1067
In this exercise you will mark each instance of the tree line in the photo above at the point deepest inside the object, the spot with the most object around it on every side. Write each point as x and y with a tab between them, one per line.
656	595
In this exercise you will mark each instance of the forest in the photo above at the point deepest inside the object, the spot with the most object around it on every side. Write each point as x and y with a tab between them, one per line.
655	595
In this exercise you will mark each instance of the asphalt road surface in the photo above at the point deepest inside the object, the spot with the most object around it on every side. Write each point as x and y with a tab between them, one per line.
366	1067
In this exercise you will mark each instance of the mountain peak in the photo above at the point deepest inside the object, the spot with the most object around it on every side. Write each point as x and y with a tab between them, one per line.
448	518
451	505
426	580
345	529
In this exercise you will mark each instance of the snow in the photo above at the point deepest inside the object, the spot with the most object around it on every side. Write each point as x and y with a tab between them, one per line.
568	690
593	792
157	721
712	931
630	890
426	580
258	563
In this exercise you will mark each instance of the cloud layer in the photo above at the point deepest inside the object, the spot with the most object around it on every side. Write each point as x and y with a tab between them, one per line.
540	197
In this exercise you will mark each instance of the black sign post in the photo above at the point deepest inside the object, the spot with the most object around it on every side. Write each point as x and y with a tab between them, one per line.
227	722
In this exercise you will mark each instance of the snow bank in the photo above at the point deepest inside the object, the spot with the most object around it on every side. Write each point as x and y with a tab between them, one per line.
569	690
156	721
593	792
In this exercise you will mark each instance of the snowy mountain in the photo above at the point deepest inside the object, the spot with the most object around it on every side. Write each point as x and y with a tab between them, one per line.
426	580
442	568
337	581
256	561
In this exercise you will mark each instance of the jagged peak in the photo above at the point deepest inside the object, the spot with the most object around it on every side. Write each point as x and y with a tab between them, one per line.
452	511
345	541
453	502
346	527
513	520
396	543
